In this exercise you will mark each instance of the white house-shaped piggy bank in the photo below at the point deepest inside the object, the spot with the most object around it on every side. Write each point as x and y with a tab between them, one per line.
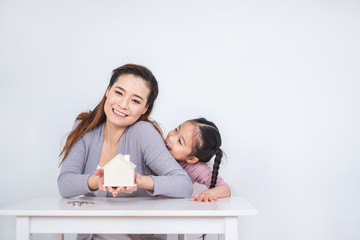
119	172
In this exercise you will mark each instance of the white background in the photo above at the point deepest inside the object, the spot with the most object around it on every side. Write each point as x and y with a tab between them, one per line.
281	79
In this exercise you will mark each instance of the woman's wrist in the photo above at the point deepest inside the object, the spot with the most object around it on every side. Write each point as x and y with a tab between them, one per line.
145	182
93	182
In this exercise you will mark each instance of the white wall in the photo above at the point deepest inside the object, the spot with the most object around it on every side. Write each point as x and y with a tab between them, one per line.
281	80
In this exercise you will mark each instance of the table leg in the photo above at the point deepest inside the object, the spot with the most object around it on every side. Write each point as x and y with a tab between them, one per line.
58	237
231	229
23	228
181	237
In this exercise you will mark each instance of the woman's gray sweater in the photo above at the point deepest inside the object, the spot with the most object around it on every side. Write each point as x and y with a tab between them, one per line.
147	151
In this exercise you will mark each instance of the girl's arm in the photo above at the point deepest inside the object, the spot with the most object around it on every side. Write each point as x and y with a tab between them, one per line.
212	195
202	173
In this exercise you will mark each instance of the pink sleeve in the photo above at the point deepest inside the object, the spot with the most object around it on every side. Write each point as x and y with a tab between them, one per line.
201	173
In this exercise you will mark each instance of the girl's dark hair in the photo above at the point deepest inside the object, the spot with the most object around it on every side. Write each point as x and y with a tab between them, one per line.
208	145
91	119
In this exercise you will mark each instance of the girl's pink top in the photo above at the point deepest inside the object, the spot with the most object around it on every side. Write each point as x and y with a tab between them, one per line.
201	173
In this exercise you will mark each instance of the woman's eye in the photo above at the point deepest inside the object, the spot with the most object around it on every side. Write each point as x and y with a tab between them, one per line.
120	93
180	141
136	101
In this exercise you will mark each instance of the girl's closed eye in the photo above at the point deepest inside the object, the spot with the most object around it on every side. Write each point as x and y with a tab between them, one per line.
136	101
119	93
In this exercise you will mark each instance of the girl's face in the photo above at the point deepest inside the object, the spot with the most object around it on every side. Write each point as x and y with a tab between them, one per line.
181	141
126	100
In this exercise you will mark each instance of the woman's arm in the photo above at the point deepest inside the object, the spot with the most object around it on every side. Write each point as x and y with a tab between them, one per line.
170	179
71	180
93	182
145	182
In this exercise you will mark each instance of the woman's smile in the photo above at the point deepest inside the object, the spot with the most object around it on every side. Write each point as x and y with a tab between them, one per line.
118	113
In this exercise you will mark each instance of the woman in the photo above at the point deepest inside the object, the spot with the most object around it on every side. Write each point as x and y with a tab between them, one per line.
120	124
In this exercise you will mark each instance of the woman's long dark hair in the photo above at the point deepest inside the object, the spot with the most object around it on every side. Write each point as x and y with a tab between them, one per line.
208	146
91	119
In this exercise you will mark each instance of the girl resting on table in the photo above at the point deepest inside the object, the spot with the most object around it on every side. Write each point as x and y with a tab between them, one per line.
120	124
193	144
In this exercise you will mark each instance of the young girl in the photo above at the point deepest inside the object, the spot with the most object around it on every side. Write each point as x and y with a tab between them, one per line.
193	144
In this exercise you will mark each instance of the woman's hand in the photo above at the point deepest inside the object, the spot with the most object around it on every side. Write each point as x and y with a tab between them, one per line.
100	174
205	196
116	190
113	190
145	182
138	179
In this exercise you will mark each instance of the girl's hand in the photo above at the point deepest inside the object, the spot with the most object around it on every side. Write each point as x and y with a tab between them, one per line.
204	196
113	190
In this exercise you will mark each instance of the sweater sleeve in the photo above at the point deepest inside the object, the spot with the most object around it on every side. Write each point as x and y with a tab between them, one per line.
71	180
202	173
171	180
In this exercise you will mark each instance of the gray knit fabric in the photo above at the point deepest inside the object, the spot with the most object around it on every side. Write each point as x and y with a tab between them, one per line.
147	151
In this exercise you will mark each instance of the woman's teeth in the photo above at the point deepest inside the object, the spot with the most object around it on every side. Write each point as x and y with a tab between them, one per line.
119	113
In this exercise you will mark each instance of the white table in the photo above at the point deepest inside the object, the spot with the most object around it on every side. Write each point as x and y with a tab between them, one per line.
129	215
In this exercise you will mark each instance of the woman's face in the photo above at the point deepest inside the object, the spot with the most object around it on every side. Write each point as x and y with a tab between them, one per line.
126	100
181	141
